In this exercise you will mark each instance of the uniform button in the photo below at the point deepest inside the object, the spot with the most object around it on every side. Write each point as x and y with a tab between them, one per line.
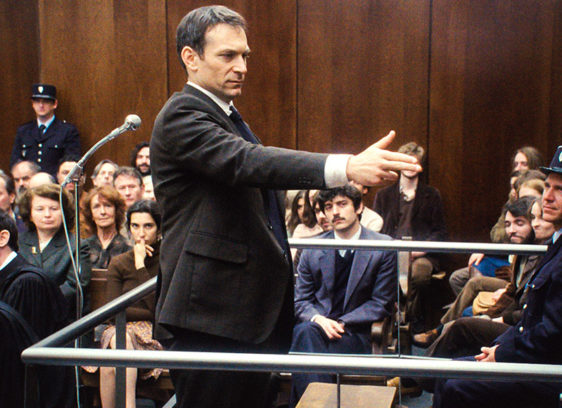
40	144
521	329
39	160
39	152
270	226
525	306
533	286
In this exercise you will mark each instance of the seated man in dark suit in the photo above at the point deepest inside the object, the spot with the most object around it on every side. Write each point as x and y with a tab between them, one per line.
340	293
536	338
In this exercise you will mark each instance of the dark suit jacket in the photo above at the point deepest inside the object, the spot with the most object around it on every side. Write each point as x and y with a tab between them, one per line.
371	288
428	220
55	261
59	139
538	335
222	270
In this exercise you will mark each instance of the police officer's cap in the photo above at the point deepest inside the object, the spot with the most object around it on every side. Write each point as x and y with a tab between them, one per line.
43	91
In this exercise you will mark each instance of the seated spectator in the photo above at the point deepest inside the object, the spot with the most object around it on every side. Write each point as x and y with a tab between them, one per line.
369	218
103	210
41	306
66	165
127	271
128	182
44	244
536	338
527	158
8	198
41	178
103	173
519	230
413	210
531	188
340	293
301	213
22	172
148	193
140	158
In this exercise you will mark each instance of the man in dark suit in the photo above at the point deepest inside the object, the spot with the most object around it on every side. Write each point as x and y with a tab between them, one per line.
340	293
226	276
414	210
46	139
536	338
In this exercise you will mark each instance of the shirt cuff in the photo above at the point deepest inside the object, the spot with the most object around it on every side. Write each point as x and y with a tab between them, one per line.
335	170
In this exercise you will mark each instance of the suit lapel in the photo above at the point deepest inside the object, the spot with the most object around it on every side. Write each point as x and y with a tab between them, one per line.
358	268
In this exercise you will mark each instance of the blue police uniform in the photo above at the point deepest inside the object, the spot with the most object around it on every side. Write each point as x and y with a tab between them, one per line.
45	149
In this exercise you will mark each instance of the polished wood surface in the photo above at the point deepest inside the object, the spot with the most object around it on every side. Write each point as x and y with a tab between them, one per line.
322	395
469	81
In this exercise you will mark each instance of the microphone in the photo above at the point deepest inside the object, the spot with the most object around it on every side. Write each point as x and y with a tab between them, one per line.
132	122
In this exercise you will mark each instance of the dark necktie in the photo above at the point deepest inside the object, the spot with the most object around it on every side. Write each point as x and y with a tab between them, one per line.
269	198
42	129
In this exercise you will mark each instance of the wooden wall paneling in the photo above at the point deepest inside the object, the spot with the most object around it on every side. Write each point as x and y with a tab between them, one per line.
491	70
362	71
555	119
268	102
108	59
19	52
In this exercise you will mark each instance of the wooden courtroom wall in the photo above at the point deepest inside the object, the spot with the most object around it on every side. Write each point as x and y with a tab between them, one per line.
470	81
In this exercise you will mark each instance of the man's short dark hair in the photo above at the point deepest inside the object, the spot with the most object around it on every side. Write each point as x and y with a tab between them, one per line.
127	171
68	158
8	183
520	207
346	191
136	151
194	25
7	223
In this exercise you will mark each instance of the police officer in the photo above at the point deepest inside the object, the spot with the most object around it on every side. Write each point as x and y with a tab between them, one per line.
47	139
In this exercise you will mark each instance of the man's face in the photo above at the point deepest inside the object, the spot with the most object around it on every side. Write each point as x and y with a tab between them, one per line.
21	173
518	229
105	175
44	108
63	171
341	213
222	68
6	200
321	218
142	162
552	199
129	188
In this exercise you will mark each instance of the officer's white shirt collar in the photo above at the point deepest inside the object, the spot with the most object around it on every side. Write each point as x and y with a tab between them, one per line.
222	104
47	123
556	235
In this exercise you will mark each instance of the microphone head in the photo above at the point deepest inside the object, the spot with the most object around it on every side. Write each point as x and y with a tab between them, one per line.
133	121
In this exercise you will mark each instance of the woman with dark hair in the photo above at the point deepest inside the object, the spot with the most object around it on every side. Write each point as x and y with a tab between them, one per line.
125	272
44	244
103	211
297	212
